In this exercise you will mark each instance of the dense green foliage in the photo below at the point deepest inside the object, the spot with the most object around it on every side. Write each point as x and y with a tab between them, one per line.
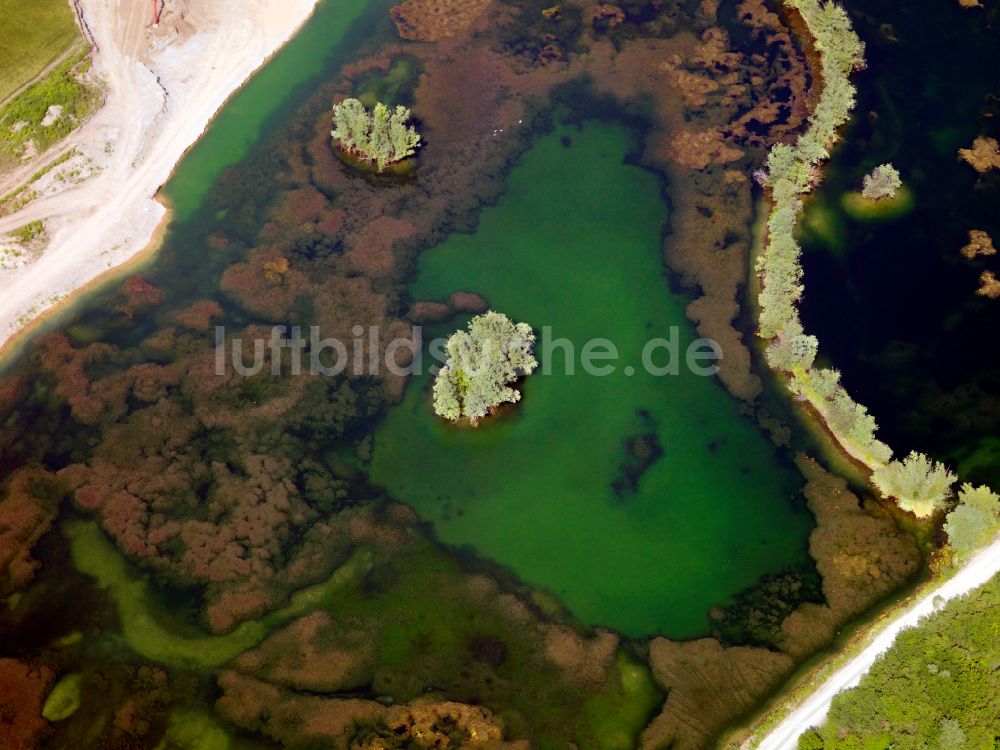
920	485
21	119
380	136
482	363
974	521
34	33
882	183
938	687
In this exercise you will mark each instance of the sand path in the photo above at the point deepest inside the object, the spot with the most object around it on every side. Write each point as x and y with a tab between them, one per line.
812	712
163	86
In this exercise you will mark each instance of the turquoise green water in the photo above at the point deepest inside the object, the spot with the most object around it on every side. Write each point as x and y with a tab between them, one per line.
273	91
575	245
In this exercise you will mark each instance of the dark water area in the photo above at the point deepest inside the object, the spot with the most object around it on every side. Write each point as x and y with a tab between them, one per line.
894	302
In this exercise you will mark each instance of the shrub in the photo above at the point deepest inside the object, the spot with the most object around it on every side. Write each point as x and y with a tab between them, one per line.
921	486
974	521
882	183
65	86
482	363
792	350
381	137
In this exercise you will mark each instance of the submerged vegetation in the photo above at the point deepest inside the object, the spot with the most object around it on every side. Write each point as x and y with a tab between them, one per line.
149	632
482	363
381	137
64	699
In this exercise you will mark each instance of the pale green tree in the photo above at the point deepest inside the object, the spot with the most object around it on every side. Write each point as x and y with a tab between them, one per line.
381	145
920	485
952	736
482	364
404	138
792	350
447	390
882	183
381	136
974	521
351	124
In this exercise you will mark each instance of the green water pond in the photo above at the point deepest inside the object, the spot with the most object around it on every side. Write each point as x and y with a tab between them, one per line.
274	91
639	500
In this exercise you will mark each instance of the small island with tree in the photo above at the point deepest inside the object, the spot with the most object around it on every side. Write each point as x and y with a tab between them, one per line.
482	364
883	196
380	138
882	183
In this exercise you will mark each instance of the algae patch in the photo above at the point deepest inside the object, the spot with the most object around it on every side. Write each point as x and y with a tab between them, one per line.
64	699
194	730
860	208
156	634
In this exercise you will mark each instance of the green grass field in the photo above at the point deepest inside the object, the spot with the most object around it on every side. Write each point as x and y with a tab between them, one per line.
33	34
22	120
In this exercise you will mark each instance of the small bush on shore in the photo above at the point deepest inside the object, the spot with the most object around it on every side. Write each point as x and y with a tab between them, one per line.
974	521
920	485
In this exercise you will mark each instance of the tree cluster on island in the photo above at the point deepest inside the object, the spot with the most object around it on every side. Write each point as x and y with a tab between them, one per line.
882	183
381	137
482	364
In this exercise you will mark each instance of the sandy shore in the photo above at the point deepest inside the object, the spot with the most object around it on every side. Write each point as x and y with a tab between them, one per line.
163	86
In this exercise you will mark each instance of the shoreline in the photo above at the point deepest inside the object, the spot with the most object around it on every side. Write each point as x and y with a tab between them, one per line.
805	699
124	201
14	345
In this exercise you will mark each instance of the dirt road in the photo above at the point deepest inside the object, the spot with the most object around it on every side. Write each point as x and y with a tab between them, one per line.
977	571
163	87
